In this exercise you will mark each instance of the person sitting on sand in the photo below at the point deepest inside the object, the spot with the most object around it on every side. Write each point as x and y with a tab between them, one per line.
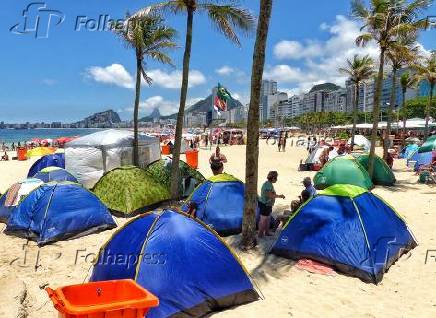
266	203
295	205
307	182
216	167
217	156
5	157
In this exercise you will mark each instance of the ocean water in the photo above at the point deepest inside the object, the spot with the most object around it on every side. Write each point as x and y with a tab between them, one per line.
9	136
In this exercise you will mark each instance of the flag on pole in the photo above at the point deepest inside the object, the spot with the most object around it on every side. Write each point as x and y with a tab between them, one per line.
221	99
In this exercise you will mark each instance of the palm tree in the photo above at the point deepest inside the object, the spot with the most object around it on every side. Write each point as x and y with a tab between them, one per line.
406	81
359	69
252	151
226	17
427	72
145	33
384	21
401	53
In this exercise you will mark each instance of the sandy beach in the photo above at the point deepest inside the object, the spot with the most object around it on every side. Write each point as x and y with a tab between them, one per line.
407	289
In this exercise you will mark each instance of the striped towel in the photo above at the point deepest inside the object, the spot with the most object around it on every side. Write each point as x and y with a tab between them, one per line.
12	195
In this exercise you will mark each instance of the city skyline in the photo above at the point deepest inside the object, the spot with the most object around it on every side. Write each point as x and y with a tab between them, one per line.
78	71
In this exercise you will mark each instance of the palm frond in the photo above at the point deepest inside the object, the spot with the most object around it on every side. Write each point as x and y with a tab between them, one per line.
358	9
363	39
228	18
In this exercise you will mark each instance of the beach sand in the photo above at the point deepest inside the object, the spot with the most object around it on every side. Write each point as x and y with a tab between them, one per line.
407	289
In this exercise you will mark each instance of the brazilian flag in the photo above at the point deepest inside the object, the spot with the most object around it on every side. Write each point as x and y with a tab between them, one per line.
222	97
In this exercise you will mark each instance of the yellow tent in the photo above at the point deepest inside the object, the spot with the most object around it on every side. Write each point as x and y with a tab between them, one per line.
40	151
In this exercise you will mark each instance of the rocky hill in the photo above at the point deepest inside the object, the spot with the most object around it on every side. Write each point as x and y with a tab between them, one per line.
102	119
203	105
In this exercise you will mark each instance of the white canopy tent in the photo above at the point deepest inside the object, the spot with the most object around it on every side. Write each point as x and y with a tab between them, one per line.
90	156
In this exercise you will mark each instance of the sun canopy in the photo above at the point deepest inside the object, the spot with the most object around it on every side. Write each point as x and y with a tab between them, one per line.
90	156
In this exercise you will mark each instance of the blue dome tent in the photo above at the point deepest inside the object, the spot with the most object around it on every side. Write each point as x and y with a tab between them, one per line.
348	228
58	211
55	174
180	260
408	151
54	160
13	196
219	203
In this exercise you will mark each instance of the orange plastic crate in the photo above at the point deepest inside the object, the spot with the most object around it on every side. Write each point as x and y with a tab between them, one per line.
106	299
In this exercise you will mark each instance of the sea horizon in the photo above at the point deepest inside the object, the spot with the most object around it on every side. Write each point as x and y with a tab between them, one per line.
10	135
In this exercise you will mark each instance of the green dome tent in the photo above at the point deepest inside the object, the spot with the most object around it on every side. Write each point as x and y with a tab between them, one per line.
382	175
343	170
129	190
428	145
190	178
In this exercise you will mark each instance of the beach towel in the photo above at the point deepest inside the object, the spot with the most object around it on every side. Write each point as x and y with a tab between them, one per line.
12	195
315	267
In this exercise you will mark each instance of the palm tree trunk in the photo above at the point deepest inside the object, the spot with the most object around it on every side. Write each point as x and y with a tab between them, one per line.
356	101
136	110
427	110
252	151
183	93
404	116
375	112
390	107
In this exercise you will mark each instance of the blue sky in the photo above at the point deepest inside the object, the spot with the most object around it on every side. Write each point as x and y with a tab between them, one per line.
71	74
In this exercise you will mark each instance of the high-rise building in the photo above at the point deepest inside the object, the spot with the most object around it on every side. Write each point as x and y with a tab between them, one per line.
269	87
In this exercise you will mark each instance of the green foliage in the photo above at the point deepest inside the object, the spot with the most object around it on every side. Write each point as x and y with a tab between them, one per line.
416	108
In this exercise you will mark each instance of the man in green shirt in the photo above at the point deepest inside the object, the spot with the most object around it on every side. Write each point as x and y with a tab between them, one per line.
266	202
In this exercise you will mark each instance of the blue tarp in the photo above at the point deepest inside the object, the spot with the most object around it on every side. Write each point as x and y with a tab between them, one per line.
54	160
360	236
184	264
58	211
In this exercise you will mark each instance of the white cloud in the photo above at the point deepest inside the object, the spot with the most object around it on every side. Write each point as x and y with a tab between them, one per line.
174	79
225	70
320	60
114	74
295	50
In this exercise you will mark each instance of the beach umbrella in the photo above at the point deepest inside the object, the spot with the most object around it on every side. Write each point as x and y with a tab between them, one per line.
40	151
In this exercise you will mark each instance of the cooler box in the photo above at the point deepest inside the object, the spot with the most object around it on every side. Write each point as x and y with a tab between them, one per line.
105	299
22	153
192	158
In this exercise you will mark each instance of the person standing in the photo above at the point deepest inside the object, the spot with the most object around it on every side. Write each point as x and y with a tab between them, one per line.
284	141
266	202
